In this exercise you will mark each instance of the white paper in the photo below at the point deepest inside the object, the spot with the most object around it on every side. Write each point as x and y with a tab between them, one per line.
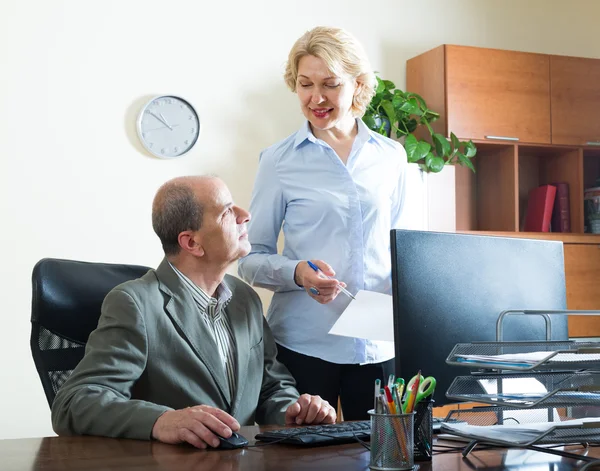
514	434
529	358
369	317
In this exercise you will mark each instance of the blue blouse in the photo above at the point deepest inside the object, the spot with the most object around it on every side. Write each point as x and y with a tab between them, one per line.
341	214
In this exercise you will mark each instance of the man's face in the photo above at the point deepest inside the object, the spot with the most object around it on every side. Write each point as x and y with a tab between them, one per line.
223	235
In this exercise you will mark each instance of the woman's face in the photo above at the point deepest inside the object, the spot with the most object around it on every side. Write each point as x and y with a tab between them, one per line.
325	98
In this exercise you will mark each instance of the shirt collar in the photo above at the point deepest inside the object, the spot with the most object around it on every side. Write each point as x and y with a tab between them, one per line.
304	133
223	293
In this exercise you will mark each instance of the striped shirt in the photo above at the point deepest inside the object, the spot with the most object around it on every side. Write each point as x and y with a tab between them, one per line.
213	313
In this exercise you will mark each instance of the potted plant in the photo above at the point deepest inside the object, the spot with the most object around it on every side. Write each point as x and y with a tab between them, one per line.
392	110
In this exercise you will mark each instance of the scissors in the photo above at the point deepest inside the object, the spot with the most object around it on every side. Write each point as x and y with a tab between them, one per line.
426	388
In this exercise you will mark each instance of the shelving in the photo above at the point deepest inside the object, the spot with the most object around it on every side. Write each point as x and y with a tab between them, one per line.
494	198
534	118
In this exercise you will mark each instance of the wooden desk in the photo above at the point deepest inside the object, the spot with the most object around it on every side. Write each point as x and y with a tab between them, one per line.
95	453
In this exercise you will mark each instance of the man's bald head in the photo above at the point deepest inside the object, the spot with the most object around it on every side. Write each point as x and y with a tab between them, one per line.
179	206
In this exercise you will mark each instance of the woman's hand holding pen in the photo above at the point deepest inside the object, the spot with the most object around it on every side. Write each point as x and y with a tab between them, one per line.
321	289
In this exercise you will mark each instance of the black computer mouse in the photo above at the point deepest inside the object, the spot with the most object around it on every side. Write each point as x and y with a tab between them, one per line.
235	441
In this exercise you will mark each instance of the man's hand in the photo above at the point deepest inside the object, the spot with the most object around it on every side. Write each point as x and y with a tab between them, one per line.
198	426
310	410
321	289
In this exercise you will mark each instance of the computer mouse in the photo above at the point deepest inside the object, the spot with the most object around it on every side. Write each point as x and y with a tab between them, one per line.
235	441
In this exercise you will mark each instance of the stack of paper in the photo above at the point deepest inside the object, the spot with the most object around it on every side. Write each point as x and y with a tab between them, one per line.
518	435
527	359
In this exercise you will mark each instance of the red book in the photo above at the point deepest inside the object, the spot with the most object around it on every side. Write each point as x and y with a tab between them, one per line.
539	209
561	214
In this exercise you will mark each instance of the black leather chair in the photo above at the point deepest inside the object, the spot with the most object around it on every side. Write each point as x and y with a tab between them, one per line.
67	297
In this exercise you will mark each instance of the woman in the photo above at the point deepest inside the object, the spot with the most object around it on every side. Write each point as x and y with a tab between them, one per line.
336	189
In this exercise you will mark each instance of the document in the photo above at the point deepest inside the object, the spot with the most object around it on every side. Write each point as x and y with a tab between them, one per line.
523	434
526	359
369	317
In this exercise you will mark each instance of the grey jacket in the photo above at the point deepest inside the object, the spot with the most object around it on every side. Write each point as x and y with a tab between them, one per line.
151	353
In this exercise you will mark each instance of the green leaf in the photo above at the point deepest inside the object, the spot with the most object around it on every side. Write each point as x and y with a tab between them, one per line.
389	85
400	94
431	115
380	86
419	98
410	145
412	107
455	141
411	125
435	164
369	120
442	146
422	149
465	161
471	149
398	101
388	108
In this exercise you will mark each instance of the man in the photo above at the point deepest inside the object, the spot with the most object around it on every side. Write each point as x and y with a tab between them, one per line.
184	354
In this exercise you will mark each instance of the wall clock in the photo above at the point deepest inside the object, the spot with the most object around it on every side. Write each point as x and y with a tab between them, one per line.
168	126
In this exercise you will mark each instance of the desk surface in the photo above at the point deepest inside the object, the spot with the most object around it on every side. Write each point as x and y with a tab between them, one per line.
95	453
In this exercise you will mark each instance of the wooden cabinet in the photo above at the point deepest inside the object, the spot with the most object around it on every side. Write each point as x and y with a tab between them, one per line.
537	98
485	93
575	98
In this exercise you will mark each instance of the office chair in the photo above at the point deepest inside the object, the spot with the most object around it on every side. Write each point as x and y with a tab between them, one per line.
65	308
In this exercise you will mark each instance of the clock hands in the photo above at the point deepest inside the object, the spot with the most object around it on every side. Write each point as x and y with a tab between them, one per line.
165	121
161	118
162	127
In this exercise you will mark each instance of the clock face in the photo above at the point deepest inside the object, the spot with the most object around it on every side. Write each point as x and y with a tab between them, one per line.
168	126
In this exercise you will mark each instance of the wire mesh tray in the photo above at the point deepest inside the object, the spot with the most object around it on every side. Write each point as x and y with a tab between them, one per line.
526	390
510	427
526	356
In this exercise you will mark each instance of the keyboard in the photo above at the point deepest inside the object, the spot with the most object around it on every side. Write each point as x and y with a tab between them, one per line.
319	435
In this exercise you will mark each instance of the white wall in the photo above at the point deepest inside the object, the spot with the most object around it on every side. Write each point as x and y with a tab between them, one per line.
73	74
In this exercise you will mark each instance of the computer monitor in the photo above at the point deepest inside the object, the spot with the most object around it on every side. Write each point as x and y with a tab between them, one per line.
449	288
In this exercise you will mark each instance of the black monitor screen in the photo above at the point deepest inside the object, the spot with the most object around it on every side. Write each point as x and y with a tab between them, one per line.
449	288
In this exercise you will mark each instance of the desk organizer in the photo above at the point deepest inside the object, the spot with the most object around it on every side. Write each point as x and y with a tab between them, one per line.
526	356
528	390
538	393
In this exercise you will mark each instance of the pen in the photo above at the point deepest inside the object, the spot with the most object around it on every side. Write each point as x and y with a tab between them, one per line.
318	270
391	380
412	395
397	401
400	385
390	400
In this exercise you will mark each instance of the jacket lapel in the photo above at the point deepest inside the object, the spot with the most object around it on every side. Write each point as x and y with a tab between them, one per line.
238	320
182	309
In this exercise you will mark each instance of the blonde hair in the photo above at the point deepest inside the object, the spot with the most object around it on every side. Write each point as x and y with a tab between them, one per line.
343	55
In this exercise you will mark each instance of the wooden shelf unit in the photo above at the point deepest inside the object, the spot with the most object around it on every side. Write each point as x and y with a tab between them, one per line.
494	198
534	117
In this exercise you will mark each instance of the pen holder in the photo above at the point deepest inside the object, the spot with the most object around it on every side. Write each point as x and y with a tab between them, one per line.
392	445
423	430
